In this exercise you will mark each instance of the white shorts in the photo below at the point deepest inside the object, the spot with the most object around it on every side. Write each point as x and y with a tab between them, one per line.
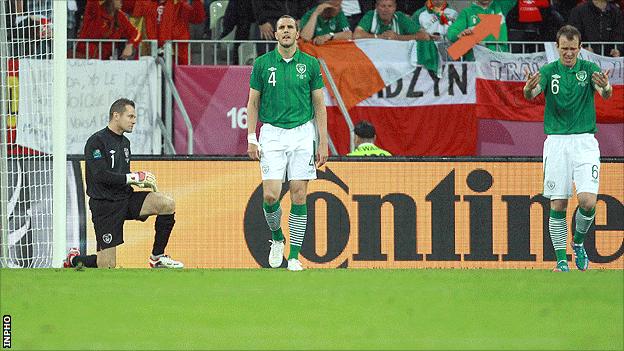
288	150
570	159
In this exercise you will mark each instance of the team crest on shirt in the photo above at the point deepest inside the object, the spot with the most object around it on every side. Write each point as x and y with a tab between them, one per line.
550	185
97	154
265	169
127	153
581	76
107	238
301	69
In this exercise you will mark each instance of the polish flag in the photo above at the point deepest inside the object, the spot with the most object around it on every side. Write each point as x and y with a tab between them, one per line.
501	78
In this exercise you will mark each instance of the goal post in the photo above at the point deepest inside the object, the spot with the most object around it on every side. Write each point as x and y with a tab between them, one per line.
59	133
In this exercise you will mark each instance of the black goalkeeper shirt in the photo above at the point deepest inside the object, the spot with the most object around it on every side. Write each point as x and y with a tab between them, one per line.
107	157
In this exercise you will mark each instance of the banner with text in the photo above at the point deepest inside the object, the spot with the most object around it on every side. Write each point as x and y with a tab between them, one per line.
419	114
376	215
92	86
501	77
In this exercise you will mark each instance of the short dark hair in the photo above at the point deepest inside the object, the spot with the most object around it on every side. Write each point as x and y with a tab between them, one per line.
364	129
569	32
119	106
287	16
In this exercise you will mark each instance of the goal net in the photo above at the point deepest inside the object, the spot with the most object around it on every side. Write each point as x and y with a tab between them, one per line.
32	132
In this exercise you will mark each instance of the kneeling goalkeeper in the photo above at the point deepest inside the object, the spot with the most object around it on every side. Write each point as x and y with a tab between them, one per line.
113	200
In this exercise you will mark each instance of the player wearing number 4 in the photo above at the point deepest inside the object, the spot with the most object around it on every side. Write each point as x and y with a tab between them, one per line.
571	153
112	200
286	94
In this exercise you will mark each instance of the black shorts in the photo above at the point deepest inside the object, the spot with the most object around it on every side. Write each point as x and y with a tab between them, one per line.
109	217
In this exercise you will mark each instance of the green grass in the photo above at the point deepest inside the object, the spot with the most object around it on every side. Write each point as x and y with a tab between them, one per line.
314	309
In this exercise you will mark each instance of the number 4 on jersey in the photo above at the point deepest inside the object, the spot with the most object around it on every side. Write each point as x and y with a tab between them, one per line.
272	78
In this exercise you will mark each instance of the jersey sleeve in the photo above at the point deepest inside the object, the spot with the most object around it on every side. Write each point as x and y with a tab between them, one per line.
255	81
458	26
95	154
544	79
316	78
367	21
407	25
342	22
506	5
130	31
416	18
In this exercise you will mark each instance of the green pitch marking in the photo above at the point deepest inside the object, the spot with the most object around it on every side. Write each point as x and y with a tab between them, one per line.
314	309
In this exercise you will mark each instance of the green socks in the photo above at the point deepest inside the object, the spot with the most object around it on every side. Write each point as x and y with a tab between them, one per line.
584	220
273	216
558	228
297	221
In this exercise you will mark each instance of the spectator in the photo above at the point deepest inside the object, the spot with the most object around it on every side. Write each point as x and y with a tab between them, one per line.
169	20
564	7
207	31
72	7
469	17
386	23
409	6
105	20
355	9
533	20
238	15
435	17
20	14
365	141
325	22
599	20
267	12
128	6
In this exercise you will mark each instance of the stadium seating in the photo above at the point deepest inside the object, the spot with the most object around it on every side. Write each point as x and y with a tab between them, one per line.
247	53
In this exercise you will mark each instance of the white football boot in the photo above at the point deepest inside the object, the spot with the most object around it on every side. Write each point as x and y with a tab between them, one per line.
165	261
294	265
276	255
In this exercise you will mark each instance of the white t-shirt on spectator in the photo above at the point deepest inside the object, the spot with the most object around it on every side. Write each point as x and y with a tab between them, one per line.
351	7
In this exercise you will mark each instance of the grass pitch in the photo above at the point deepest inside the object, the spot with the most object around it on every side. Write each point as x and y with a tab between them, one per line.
314	309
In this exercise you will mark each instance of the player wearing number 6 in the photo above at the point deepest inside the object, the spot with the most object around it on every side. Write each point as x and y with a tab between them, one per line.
112	199
286	94
571	153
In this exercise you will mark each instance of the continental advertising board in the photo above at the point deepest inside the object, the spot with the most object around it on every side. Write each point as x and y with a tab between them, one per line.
375	215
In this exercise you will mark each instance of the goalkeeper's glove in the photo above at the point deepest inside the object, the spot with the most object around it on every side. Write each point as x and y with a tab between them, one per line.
142	179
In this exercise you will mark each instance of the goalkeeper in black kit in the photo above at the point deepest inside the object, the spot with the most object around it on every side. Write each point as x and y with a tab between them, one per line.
112	199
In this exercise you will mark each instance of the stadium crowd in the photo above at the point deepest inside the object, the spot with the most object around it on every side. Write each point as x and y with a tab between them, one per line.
319	20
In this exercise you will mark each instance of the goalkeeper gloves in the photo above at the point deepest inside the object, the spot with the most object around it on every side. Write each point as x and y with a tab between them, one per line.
142	179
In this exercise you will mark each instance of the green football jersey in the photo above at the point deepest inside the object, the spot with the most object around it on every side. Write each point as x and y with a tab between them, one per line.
469	18
400	24
338	23
286	88
569	94
369	149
